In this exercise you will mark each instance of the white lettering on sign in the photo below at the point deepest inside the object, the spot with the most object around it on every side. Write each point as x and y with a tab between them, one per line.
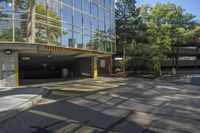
102	63
8	67
8	59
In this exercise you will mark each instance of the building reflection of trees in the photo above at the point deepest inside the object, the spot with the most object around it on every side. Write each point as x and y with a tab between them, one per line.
18	17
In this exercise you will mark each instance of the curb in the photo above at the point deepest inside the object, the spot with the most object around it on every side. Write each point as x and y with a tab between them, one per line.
24	106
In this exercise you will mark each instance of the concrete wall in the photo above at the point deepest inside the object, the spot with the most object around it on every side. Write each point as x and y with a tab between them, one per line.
9	69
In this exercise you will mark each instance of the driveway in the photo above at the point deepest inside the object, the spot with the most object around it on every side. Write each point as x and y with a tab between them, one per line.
108	105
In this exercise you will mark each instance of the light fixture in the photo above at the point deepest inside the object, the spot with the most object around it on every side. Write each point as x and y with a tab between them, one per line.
9	4
45	65
8	52
118	58
26	58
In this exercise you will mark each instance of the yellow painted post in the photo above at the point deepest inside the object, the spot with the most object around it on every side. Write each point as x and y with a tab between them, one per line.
17	75
94	67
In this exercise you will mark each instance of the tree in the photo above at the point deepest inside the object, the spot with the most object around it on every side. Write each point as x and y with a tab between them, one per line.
7	34
167	26
19	4
125	9
155	30
143	58
22	4
50	27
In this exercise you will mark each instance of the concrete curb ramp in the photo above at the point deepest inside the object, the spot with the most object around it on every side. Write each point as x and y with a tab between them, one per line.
26	101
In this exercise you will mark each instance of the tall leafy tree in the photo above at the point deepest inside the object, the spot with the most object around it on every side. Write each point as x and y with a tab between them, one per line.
125	10
51	26
167	23
157	28
167	26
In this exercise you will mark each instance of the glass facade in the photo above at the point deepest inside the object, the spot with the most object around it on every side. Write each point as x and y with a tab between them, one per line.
14	20
83	24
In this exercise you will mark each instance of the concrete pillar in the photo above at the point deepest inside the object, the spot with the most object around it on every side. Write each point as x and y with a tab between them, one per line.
94	72
9	73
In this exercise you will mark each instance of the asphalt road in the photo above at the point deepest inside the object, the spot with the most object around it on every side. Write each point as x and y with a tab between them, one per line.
120	105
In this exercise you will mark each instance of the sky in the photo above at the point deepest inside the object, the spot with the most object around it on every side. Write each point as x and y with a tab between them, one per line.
190	6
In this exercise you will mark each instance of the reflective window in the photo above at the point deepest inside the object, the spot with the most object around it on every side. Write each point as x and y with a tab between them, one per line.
66	38
112	19
86	31
22	4
21	15
20	31
101	14
107	2
77	18
78	29
78	4
78	40
6	30
86	6
68	2
41	33
94	24
101	26
66	26
13	25
5	14
108	30
94	10
107	16
6	5
102	1
71	43
87	42
86	21
54	35
56	7
113	47
67	14
95	43
95	2
102	46
108	46
88	24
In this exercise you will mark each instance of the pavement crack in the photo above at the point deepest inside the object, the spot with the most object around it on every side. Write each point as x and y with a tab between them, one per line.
119	122
76	128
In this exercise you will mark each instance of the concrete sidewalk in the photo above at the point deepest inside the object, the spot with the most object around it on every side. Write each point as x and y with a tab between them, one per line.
15	100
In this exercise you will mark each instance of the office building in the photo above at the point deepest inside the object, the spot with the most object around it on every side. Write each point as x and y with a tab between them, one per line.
41	38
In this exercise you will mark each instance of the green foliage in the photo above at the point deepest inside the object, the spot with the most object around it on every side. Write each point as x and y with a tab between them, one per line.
4	0
53	29
143	58
167	24
194	35
6	35
125	9
19	4
123	63
22	4
152	31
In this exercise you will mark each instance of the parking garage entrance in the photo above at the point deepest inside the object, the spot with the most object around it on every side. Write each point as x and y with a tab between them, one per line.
47	67
41	67
24	64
